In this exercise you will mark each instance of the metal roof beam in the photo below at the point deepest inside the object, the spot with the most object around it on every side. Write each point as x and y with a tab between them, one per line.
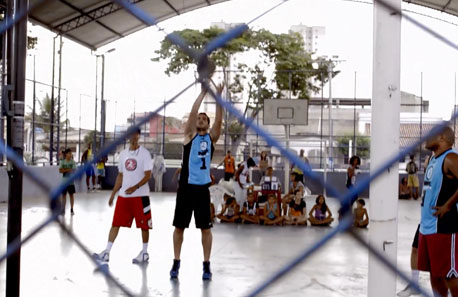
90	16
446	5
171	6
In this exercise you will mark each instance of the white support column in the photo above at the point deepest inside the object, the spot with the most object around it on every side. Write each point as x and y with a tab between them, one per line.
386	98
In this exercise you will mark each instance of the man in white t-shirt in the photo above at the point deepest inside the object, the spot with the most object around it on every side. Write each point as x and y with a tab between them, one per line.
134	169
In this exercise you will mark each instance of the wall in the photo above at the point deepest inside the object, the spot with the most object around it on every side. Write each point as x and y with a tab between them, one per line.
53	178
50	174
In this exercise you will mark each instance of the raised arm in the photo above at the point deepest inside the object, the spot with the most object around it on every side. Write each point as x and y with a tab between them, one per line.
190	128
215	131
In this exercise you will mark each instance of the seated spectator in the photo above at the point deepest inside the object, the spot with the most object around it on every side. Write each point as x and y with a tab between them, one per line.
250	210
272	214
297	214
296	187
320	215
361	216
230	211
404	191
269	181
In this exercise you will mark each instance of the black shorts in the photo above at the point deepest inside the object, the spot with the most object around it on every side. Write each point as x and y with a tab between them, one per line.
70	190
192	198
228	176
415	239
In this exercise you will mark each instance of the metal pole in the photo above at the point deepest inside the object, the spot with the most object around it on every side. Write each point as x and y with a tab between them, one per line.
79	134
58	98
66	117
287	165
51	128
330	66
33	112
257	110
354	120
4	94
321	122
421	116
114	130
103	106
17	51
226	121
454	111
95	114
163	132
144	133
289	83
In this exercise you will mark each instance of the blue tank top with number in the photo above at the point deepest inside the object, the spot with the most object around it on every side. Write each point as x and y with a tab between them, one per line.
437	189
197	155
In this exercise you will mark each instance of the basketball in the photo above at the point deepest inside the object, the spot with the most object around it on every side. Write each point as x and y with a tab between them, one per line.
205	67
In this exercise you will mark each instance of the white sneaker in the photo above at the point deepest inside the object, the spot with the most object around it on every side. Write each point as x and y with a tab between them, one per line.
104	256
408	291
143	257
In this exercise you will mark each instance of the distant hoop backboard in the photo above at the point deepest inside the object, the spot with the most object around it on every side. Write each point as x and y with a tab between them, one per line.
285	112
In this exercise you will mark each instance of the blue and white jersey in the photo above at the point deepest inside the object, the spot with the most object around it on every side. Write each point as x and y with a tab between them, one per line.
197	155
437	189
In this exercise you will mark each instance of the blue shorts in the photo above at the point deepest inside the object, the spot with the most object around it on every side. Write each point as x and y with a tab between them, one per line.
90	171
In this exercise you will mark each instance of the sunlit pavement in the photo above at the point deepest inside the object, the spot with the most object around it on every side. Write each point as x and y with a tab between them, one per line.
242	256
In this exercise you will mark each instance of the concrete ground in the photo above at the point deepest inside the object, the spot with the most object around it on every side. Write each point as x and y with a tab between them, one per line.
242	257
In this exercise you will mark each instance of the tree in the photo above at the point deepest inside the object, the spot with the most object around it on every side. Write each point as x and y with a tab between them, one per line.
362	145
280	56
43	114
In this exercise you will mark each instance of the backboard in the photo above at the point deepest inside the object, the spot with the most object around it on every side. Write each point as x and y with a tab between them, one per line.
285	112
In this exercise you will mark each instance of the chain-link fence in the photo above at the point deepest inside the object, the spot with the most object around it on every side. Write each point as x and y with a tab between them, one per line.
337	141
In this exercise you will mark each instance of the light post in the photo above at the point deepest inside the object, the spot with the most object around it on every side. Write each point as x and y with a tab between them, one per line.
102	101
33	112
79	130
329	62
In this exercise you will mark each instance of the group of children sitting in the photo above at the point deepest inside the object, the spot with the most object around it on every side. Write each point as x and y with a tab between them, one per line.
293	207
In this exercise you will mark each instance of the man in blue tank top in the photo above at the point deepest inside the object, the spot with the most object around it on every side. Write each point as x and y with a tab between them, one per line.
193	194
437	251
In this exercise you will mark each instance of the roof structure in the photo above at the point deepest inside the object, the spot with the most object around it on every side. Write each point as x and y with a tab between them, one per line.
95	23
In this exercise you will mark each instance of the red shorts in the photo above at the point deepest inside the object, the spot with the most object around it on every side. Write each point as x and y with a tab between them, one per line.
133	207
437	254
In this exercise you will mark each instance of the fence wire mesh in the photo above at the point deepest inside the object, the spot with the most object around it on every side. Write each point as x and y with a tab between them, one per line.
201	57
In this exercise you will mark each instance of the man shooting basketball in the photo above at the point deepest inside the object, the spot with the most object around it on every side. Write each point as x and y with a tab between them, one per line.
193	194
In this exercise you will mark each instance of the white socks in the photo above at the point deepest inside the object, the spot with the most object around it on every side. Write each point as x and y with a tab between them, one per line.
144	250
109	245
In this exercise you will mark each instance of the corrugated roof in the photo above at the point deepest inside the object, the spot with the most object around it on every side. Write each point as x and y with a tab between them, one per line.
94	23
410	132
447	6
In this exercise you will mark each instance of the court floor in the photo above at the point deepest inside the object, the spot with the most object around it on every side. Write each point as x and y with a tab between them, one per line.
242	255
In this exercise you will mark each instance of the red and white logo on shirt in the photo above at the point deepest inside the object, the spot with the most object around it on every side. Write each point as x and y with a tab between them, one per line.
130	164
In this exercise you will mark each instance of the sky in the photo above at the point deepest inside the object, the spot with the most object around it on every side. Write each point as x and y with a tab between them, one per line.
133	82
